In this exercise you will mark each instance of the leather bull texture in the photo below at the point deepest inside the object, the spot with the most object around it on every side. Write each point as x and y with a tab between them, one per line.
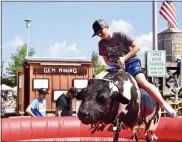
70	128
100	102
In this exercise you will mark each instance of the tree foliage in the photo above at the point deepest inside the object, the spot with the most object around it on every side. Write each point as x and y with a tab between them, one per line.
8	81
98	67
17	61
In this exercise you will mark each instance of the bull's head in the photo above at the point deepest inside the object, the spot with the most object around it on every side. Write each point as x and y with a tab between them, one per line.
100	102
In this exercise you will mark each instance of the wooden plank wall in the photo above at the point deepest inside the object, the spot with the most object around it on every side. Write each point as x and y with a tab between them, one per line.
56	81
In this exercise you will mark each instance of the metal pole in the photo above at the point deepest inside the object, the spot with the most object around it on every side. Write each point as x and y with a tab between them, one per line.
28	25
155	41
27	40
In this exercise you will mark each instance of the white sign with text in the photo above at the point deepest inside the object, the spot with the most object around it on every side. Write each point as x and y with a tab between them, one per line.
156	63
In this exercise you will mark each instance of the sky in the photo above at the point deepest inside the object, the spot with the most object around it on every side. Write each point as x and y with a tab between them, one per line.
64	29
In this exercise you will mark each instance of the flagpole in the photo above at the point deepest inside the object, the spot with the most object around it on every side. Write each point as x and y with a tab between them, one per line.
155	47
155	41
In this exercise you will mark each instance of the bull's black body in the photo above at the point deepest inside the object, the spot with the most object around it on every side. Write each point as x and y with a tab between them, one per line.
100	102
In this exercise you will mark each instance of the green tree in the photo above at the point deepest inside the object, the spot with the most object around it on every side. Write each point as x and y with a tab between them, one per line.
8	81
2	69
17	61
98	67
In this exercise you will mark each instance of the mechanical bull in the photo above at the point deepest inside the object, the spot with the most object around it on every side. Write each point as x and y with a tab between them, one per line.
100	103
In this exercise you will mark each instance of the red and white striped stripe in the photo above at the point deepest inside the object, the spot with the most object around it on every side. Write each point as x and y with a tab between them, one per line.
169	13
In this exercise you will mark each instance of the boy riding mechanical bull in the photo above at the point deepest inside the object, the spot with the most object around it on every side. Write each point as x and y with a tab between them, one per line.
115	93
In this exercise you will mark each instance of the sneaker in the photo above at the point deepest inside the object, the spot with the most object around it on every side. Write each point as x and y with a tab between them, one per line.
175	114
169	110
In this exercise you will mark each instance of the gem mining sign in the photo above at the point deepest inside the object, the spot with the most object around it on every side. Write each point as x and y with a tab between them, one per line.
156	63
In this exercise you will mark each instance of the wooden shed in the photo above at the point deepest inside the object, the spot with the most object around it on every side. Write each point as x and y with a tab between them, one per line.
57	75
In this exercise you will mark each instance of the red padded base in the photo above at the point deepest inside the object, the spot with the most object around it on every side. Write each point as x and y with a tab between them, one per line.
22	128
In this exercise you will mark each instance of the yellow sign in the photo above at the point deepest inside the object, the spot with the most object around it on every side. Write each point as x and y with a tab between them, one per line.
177	47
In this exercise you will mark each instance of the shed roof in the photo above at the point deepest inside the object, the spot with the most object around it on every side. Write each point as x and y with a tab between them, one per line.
56	59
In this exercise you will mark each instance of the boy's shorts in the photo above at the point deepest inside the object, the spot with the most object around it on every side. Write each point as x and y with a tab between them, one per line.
133	67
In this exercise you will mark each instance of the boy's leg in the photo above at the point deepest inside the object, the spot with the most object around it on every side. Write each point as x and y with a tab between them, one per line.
134	68
154	92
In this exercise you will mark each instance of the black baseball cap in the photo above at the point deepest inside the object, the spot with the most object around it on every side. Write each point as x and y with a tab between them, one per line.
74	91
98	25
42	91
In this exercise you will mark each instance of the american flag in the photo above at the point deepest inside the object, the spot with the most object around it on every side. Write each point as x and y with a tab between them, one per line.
169	13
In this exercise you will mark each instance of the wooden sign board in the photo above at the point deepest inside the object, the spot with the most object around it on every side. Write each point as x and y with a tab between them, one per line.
61	70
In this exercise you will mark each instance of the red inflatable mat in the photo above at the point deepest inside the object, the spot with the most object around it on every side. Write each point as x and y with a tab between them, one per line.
28	128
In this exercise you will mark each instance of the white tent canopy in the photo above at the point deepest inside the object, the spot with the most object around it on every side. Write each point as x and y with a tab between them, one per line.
14	88
5	87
